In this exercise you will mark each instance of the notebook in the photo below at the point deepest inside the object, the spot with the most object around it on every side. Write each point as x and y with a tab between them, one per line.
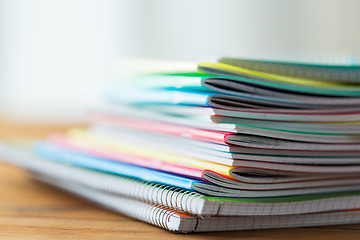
222	91
303	85
207	118
247	135
226	95
174	220
201	150
88	138
168	196
325	72
206	171
204	151
219	186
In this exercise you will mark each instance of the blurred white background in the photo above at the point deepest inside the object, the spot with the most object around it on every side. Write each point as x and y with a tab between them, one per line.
56	55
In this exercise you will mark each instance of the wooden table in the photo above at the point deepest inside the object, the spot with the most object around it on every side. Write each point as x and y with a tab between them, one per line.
33	210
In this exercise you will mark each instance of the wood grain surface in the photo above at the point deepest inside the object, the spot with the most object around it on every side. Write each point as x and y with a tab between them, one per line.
33	210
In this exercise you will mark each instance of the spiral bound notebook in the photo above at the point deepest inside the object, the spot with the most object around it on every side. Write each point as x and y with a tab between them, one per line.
174	220
175	197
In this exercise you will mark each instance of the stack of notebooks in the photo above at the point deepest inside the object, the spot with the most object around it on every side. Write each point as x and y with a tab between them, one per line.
238	144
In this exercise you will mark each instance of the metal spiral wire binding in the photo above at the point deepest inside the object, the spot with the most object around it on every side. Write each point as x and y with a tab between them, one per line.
161	216
170	196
